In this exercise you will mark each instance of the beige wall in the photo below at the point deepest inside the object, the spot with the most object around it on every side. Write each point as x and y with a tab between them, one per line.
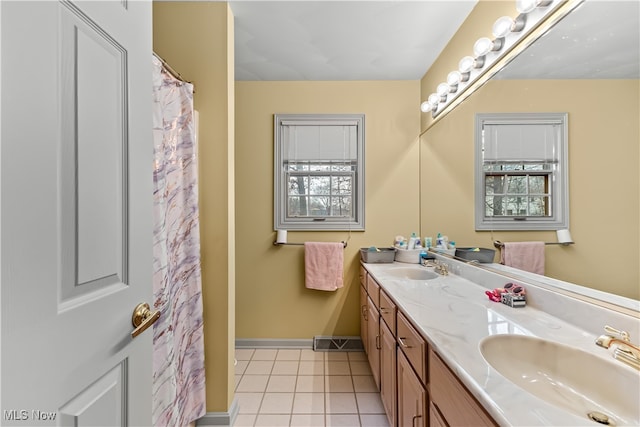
478	24
196	38
272	301
603	176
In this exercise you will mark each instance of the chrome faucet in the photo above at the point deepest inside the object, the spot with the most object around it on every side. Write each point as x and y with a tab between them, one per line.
438	267
625	351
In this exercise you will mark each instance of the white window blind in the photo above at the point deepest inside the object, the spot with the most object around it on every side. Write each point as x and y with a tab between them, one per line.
521	142
319	172
314	142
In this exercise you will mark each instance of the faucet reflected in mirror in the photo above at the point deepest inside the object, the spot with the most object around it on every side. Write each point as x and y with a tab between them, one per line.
604	140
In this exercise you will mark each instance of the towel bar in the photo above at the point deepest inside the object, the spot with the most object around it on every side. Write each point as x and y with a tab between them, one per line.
344	244
498	244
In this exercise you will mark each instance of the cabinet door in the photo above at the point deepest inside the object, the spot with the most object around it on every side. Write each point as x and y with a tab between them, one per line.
412	401
364	315
388	372
373	339
457	406
435	418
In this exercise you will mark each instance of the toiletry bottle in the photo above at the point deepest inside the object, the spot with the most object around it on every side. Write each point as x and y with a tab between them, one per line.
418	244
428	242
412	241
439	243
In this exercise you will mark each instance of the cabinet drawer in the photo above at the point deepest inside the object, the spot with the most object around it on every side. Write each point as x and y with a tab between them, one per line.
457	405
373	289
413	346
388	311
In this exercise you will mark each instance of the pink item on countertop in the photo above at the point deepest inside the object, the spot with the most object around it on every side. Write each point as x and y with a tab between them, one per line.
493	296
323	263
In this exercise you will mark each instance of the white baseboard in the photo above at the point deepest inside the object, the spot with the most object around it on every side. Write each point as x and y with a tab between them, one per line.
220	418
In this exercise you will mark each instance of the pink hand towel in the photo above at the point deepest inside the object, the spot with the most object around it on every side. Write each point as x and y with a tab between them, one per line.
527	256
323	263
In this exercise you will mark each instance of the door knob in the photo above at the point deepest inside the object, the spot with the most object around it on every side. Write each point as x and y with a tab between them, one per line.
142	318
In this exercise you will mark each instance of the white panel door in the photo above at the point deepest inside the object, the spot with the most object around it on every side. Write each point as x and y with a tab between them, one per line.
76	212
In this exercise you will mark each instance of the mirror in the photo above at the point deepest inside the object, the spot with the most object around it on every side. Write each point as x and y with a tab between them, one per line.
588	66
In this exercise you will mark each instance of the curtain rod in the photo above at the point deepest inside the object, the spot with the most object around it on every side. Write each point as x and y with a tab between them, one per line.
171	71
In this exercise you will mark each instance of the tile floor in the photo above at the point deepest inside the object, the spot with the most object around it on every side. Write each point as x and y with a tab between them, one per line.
300	387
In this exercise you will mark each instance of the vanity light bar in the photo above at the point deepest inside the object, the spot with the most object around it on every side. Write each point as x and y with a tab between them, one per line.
509	32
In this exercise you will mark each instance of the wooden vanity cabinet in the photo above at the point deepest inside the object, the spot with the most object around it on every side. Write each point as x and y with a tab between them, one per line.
388	348
373	340
412	396
370	322
388	372
413	346
388	311
404	368
364	309
435	417
364	316
451	401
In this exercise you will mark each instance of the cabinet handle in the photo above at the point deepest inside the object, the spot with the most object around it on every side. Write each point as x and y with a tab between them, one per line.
365	312
378	342
413	420
402	343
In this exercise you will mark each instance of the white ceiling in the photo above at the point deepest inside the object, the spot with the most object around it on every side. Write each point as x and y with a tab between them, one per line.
598	40
342	40
400	39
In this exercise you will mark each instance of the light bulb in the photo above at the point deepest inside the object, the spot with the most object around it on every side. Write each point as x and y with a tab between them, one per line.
434	100
482	46
526	6
442	89
503	26
467	64
453	78
425	107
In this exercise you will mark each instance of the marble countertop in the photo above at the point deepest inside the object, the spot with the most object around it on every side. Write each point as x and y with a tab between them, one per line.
454	314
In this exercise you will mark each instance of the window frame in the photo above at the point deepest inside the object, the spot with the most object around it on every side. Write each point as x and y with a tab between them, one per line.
559	178
310	223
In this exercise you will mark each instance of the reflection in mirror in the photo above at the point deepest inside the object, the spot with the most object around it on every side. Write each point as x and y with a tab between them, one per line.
521	175
587	66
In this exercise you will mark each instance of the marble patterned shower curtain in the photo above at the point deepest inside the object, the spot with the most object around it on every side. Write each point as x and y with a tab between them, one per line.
178	342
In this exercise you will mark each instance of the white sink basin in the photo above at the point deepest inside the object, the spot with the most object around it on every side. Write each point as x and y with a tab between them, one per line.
407	273
570	378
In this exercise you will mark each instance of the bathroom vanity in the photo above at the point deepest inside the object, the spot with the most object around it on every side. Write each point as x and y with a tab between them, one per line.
438	349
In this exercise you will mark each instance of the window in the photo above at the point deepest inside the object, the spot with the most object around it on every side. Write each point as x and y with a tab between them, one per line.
521	171
319	172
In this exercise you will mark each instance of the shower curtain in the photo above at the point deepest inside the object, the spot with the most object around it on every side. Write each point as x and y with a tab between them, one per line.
178	343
